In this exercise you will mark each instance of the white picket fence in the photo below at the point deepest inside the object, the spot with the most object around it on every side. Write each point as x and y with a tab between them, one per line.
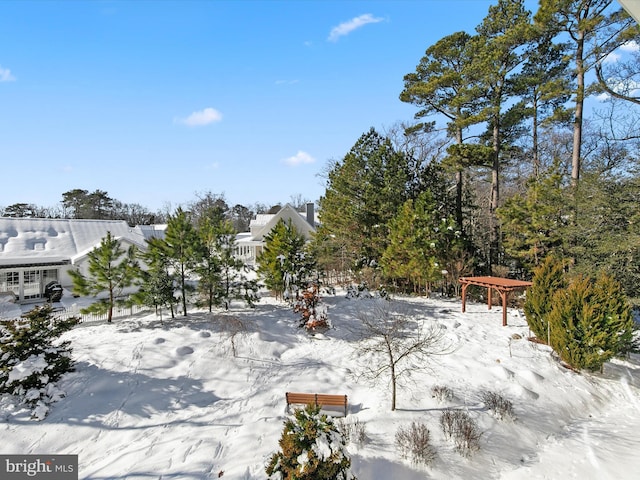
118	312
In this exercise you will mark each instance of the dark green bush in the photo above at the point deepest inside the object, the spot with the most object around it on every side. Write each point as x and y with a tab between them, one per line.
548	278
591	322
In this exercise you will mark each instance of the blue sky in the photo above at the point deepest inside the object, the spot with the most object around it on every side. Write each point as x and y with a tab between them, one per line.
155	101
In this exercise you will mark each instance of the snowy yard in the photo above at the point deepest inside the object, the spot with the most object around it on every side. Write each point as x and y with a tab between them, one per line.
168	400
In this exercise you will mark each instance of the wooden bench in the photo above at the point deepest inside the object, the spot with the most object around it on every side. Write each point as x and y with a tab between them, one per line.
318	399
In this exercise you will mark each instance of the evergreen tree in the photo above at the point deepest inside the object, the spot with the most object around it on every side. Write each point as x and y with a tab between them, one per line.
412	252
181	247
534	224
544	88
594	29
111	269
590	322
32	341
441	85
312	448
285	264
158	283
364	192
498	52
208	268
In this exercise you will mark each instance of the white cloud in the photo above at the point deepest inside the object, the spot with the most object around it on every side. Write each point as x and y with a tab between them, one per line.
603	97
299	158
347	27
613	57
631	46
5	75
201	118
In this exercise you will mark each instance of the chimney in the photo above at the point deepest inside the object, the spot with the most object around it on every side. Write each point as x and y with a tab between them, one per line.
311	217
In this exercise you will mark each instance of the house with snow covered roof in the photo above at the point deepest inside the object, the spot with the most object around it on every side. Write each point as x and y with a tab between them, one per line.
36	251
250	244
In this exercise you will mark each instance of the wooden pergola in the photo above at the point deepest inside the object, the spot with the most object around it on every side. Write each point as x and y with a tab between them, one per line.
502	285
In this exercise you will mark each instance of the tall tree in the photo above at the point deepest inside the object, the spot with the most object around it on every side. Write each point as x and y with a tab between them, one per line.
111	269
544	88
441	85
499	51
364	192
595	28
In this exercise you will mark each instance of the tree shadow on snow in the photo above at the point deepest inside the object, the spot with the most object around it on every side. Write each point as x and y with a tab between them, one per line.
101	398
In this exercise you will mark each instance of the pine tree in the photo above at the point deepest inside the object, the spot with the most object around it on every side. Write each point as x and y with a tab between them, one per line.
182	248
312	448
111	269
364	192
158	283
411	254
534	224
285	264
32	342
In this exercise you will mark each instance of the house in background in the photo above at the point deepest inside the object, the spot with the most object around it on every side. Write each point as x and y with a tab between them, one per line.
36	251
250	244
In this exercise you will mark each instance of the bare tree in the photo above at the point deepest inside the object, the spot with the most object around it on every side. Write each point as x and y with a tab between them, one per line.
395	344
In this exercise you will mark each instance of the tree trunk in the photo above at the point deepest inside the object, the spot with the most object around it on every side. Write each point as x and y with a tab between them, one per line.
577	122
495	195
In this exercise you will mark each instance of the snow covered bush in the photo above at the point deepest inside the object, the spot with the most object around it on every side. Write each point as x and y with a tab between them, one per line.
415	442
458	426
500	406
32	359
312	448
353	430
442	393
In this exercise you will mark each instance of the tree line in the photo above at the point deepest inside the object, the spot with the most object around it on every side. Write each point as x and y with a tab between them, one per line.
99	205
501	165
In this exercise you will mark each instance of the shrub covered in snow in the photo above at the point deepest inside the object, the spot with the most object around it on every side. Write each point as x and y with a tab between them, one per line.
442	393
32	359
415	442
458	426
500	406
312	448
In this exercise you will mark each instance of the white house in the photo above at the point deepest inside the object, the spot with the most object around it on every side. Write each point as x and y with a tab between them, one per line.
36	251
249	244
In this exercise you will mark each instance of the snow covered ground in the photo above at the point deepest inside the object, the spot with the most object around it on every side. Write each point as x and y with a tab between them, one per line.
169	400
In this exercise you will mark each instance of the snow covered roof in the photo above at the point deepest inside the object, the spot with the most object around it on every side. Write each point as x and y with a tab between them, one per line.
30	241
264	223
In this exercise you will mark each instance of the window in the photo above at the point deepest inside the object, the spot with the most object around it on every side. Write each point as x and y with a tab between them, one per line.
32	284
10	282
